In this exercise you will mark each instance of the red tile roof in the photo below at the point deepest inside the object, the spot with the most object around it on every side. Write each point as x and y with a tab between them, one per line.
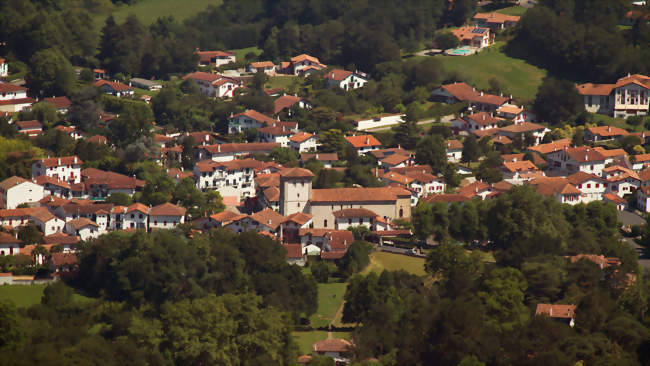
299	218
29	125
81	223
358	194
7	87
262	64
445	198
319	156
607	131
59	102
363	141
332	345
296	173
268	217
239	148
551	146
167	209
581	177
257	116
115	85
496	18
354	213
59	161
338	74
556	311
522	127
301	137
11	182
283	102
8	239
304	57
294	251
519	166
454	145
464	92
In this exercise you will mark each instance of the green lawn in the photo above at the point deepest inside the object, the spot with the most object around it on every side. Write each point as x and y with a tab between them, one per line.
241	52
516	76
22	295
380	261
330	299
599	119
148	11
513	10
283	81
306	339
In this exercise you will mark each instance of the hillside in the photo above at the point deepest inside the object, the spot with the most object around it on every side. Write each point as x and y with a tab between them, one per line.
148	11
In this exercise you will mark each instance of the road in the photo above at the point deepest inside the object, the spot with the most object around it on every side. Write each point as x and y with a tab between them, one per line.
447	118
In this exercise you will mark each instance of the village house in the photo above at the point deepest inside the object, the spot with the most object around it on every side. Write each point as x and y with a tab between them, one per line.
228	152
346	80
395	161
67	242
338	349
216	220
82	227
166	216
326	158
522	129
99	74
29	128
230	178
495	21
515	170
363	143
145	84
15	191
304	64
559	188
214	85
98	213
584	159
561	313
604	133
620	202
592	187
215	58
62	104
630	96
288	102
66	168
275	133
266	67
335	242
454	150
381	120
515	114
254	119
620	180
102	184
640	161
303	142
9	244
477	37
13	98
266	220
295	254
70	131
291	225
474	122
114	88
541	150
461	92
4	68
53	186
351	217
136	216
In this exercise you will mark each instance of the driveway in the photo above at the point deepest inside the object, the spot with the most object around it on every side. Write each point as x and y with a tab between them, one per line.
630	218
447	118
644	258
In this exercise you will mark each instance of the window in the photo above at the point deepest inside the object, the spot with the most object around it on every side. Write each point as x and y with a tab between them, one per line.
401	212
588	185
349	221
324	223
361	221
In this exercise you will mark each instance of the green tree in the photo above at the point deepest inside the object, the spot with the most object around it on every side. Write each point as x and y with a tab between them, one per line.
45	113
29	234
503	295
422	218
406	134
558	101
471	150
321	271
119	198
50	74
11	332
356	258
445	40
332	141
432	150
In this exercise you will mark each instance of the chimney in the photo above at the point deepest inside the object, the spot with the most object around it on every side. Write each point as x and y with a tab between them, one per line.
377	172
481	93
268	221
550	311
367	140
316	156
59	161
75	160
484	117
218	148
399	146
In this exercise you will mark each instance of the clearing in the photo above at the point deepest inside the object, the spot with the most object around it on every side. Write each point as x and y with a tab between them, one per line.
380	261
330	299
241	52
22	296
516	76
148	11
284	82
512	10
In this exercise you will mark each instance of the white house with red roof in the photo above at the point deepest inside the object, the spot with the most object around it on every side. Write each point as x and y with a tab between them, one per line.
9	244
516	170
136	216
30	128
252	119
82	227
215	58
562	313
214	85
15	191
495	21
114	88
579	159
619	202
228	152
291	225
230	178
524	128
13	98
630	96
4	68
363	143
604	133
67	168
346	80
591	186
559	188
166	216
289	101
266	67
266	220
304	64
621	180
643	199
277	133
60	103
303	142
474	122
454	150
477	37
477	100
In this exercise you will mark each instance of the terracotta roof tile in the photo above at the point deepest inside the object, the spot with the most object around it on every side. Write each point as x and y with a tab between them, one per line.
556	311
299	218
59	161
296	173
294	251
301	137
551	146
285	101
607	131
358	194
464	92
354	213
332	345
81	222
338	74
59	102
115	85
320	156
363	141
167	209
268	218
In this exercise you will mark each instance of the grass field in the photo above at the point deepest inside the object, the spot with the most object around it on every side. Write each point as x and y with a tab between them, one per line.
148	11
330	299
516	76
380	261
513	10
306	339
283	81
241	52
22	295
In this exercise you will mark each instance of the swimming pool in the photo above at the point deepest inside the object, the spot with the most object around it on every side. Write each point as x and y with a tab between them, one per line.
461	51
